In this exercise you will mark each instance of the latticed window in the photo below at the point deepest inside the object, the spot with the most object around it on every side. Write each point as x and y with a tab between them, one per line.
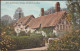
63	27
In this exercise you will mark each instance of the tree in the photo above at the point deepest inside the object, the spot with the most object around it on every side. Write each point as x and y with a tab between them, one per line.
18	13
70	41
52	10
49	11
74	10
6	19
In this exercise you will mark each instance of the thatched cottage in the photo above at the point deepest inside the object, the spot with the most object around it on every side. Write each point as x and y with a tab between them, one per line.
57	21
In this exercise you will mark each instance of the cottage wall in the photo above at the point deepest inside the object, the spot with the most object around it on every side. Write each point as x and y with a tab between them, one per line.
19	28
63	25
29	30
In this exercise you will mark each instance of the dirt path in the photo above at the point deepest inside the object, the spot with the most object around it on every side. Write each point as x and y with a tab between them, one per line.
38	48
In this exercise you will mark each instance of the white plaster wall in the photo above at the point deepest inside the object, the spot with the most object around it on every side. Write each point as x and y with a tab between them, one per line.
55	32
18	28
32	30
27	30
43	33
23	28
37	32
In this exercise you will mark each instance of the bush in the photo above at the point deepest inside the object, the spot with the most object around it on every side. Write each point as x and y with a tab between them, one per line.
23	33
22	42
51	36
9	30
69	41
6	42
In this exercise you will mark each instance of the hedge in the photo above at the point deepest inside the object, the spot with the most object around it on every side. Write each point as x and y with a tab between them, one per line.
22	42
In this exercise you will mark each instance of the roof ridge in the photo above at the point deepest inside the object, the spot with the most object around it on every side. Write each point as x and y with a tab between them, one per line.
51	14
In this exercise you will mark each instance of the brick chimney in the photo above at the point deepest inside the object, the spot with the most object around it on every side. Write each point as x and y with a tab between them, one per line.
57	7
19	15
42	11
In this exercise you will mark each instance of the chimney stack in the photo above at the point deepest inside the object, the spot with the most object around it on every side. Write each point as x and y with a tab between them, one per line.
42	11
19	15
57	7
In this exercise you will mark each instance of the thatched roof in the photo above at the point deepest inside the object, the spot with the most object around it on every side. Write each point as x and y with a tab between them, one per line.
24	20
47	20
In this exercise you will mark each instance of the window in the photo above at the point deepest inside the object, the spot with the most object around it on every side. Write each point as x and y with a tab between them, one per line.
60	27
64	22
63	27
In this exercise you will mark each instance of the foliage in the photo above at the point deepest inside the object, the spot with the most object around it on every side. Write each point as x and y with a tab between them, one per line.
68	18
49	11
22	42
48	30
8	29
6	19
23	33
51	36
16	14
74	11
52	10
6	42
69	41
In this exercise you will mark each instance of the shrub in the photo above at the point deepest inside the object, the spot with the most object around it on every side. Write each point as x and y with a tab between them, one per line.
22	42
22	33
51	36
9	30
6	42
69	41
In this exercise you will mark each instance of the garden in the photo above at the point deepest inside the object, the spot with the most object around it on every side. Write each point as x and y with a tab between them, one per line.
9	40
68	40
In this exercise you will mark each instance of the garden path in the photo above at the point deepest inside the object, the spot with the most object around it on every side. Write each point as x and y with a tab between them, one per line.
38	48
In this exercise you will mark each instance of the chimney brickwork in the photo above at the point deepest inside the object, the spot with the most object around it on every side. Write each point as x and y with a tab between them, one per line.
57	7
19	15
42	11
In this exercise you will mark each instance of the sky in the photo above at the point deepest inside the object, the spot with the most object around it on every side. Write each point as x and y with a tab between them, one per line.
28	7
